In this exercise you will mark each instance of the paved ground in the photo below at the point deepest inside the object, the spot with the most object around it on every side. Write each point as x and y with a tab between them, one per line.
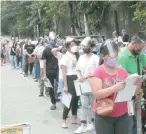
20	103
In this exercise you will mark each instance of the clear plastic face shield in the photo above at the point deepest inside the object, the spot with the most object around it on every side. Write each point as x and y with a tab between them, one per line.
143	51
111	48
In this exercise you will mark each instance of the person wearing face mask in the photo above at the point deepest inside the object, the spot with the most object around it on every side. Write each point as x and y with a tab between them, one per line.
38	53
68	66
29	49
133	60
85	65
50	71
105	81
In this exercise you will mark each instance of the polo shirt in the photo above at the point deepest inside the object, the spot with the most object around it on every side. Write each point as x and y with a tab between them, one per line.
129	62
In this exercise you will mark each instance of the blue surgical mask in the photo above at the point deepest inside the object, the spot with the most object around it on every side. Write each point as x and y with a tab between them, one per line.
112	62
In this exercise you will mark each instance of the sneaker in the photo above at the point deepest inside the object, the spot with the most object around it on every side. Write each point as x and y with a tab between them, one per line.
25	75
81	129
90	127
41	95
53	107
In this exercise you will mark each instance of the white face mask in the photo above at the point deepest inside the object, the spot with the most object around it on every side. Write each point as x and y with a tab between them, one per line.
74	49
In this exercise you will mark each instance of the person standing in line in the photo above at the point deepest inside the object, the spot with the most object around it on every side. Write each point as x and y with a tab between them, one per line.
50	72
23	56
85	65
116	37
2	54
105	81
38	53
58	53
68	66
134	61
13	55
18	54
125	36
29	49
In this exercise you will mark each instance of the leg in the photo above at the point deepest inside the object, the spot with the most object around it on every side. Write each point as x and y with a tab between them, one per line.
51	93
41	83
30	68
84	108
104	125
121	125
26	65
132	125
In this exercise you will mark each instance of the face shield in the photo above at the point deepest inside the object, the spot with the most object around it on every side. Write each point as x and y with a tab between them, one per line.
110	48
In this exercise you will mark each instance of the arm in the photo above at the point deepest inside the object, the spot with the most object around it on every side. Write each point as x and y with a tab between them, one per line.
99	92
44	68
54	51
64	72
79	75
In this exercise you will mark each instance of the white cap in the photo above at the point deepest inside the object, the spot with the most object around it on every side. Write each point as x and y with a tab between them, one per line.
34	42
69	39
86	41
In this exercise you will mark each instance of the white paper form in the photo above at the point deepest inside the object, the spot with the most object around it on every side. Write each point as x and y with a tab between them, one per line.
66	99
128	92
48	83
82	87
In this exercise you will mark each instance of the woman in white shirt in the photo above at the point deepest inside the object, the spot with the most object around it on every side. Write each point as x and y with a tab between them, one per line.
68	66
85	65
38	53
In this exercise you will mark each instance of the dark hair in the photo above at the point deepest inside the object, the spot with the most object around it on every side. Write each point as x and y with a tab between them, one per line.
139	37
104	47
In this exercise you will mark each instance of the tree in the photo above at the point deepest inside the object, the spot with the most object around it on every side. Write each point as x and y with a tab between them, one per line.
140	13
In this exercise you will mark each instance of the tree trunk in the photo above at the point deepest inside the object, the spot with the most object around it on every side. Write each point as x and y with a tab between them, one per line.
86	26
116	21
71	17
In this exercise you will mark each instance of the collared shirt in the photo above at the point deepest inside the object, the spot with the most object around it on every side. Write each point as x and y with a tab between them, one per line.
129	61
69	60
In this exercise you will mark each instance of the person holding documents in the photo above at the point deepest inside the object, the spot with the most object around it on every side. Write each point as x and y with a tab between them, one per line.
68	66
133	60
106	81
85	65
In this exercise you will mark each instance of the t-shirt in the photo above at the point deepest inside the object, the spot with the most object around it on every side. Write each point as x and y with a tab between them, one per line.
12	52
51	62
69	60
29	48
86	64
59	57
108	81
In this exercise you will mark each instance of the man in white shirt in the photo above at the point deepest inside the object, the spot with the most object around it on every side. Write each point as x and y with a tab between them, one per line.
117	38
85	65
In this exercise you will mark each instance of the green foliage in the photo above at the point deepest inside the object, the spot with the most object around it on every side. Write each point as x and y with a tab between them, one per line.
140	13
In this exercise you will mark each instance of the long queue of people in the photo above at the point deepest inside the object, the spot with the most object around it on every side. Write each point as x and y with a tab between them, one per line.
63	64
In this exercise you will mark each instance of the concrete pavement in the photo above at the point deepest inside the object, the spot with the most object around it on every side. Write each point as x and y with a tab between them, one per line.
20	103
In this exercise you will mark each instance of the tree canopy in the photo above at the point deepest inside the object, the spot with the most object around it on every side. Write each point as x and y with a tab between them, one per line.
27	18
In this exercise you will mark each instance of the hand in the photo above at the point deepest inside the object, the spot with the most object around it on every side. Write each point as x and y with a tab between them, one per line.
45	78
81	79
60	47
138	81
66	89
120	85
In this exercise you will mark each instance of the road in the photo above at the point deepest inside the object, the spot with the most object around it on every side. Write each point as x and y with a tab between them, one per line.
20	103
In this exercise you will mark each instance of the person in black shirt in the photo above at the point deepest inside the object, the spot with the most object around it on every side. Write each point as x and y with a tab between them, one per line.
29	49
13	55
50	71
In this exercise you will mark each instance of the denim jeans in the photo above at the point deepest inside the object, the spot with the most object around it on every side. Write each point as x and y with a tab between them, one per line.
13	61
23	62
37	69
132	125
